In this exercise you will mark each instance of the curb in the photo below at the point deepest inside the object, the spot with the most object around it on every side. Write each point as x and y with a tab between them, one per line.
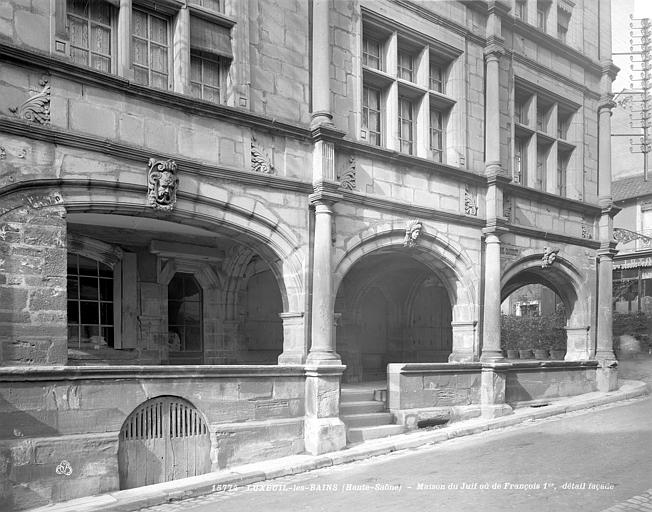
240	476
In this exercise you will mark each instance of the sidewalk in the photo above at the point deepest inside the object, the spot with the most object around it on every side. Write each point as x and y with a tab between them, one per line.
132	499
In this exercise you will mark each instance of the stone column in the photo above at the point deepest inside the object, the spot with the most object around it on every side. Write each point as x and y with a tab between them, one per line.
181	49
294	338
492	109
322	349
604	334
323	429
464	342
492	391
604	345
491	317
124	39
321	94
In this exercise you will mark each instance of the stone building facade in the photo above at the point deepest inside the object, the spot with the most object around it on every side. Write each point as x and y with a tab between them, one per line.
234	206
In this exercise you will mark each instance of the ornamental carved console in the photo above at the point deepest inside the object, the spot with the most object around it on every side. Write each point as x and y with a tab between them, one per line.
549	257
36	109
412	233
162	184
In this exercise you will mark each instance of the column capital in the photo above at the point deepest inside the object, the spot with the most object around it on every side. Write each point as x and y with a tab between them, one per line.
494	49
325	193
606	102
495	174
607	206
607	67
608	249
494	228
325	131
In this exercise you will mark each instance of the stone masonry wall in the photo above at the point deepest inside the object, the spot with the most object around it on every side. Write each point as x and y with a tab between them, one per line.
70	416
33	280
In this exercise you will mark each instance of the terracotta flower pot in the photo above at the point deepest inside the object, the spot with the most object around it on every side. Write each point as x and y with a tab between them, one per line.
541	353
512	354
525	353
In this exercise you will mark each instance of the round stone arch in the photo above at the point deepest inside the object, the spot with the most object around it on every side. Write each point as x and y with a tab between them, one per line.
446	259
264	234
567	282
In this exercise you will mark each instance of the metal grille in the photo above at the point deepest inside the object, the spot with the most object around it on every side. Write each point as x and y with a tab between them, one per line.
148	421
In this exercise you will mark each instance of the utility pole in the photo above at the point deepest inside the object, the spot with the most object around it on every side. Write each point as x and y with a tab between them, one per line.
637	99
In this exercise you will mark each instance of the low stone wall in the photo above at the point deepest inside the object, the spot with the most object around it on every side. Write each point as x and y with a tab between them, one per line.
536	381
52	414
436	393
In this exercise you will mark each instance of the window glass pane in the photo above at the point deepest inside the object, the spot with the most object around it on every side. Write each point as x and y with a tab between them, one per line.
211	73
106	313
159	81
78	32
101	39
139	23
107	334
101	63
73	285
159	28
141	76
89	333
101	12
159	59
195	90
193	338
106	289
73	334
195	68
89	312
88	288
87	267
79	7
79	56
211	94
73	313
141	53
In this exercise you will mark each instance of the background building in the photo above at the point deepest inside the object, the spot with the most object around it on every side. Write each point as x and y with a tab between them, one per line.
278	188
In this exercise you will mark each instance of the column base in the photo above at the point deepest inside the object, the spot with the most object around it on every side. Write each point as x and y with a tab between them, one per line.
607	376
323	435
491	356
495	410
323	358
288	358
462	357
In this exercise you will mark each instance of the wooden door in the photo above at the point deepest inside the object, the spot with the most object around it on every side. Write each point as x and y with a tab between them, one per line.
163	439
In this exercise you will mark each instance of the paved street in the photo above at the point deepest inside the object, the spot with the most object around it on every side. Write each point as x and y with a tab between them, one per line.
589	461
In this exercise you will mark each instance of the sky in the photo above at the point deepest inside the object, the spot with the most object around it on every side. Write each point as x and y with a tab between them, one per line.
620	11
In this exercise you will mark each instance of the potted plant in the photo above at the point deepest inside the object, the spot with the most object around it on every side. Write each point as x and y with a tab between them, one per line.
509	337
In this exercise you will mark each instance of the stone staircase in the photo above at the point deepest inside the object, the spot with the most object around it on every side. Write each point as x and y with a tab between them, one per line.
363	409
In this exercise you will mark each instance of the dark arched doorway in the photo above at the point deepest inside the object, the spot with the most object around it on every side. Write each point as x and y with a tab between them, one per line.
391	308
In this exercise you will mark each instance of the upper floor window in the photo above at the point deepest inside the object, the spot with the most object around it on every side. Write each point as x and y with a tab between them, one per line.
205	76
150	49
371	115
563	20
436	134
213	5
405	66
405	125
91	33
436	78
520	10
542	14
371	53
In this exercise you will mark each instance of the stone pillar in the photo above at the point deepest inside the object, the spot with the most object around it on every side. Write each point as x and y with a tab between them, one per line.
181	49
323	429
578	346
492	391
321	94
604	342
124	39
492	109
491	315
604	334
464	342
322	349
294	338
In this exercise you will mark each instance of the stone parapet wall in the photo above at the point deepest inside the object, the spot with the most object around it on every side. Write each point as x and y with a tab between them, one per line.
52	414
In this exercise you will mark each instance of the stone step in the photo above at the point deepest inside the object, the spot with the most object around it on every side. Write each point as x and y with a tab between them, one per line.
357	435
361	407
356	395
373	419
